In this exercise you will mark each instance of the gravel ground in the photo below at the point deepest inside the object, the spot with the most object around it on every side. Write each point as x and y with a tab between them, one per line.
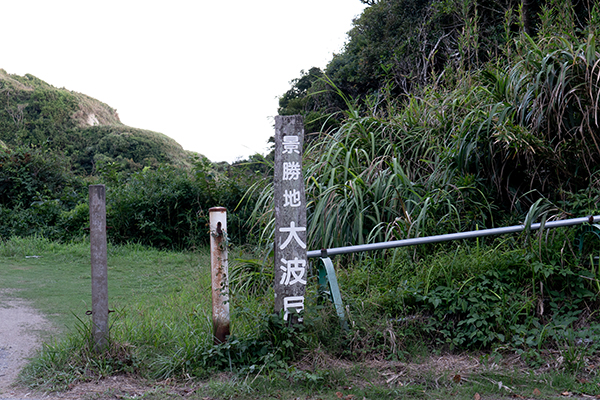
20	326
20	329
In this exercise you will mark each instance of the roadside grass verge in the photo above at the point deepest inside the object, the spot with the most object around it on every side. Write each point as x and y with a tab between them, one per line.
437	377
56	277
396	381
403	313
161	325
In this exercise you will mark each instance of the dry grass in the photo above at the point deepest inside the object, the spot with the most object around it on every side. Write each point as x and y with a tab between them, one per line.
5	76
438	371
88	106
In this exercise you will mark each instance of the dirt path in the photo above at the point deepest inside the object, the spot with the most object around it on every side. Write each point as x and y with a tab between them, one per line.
20	328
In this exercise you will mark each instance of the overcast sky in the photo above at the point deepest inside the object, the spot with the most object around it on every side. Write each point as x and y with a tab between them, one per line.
206	73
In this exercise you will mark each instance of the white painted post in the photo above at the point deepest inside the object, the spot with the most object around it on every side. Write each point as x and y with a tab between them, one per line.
219	273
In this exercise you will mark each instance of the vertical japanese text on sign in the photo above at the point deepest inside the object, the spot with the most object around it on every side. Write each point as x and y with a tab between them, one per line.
290	217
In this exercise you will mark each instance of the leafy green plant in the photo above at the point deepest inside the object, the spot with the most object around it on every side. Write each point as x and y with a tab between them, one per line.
36	190
169	206
251	277
476	313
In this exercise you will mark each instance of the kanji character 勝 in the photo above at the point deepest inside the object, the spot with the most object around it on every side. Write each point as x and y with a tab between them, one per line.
291	171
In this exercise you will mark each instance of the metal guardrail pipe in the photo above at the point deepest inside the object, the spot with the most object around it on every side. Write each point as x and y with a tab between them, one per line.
448	237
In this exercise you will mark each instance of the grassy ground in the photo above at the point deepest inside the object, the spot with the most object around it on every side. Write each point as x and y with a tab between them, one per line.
162	342
56	278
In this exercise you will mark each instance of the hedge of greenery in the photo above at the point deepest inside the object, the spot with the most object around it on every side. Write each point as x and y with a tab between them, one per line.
163	206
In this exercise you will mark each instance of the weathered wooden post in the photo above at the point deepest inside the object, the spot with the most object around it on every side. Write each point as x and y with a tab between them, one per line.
290	218
97	197
219	273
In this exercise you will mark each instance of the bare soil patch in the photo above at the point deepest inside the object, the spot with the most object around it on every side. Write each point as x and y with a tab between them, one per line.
21	328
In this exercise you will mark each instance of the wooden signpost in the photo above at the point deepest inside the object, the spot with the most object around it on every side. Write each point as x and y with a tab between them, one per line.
291	262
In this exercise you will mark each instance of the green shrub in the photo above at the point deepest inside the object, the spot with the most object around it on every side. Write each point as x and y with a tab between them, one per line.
169	206
36	188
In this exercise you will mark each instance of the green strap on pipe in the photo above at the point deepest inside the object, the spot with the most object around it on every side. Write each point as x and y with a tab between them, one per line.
593	229
328	280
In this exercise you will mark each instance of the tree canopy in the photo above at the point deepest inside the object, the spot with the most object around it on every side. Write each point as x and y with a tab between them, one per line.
461	112
398	46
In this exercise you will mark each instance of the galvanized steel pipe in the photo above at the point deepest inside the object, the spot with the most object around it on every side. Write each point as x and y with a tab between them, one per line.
448	237
219	273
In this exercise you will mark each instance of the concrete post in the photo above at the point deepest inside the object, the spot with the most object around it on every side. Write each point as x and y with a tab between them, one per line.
97	198
291	263
219	273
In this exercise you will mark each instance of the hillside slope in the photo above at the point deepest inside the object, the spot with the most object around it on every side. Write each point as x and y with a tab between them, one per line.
85	130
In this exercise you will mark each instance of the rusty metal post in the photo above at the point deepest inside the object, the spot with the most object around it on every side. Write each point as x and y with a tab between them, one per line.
97	197
219	273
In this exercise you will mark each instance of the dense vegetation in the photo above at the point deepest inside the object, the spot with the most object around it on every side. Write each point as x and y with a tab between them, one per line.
162	329
437	117
492	122
54	143
84	131
475	141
